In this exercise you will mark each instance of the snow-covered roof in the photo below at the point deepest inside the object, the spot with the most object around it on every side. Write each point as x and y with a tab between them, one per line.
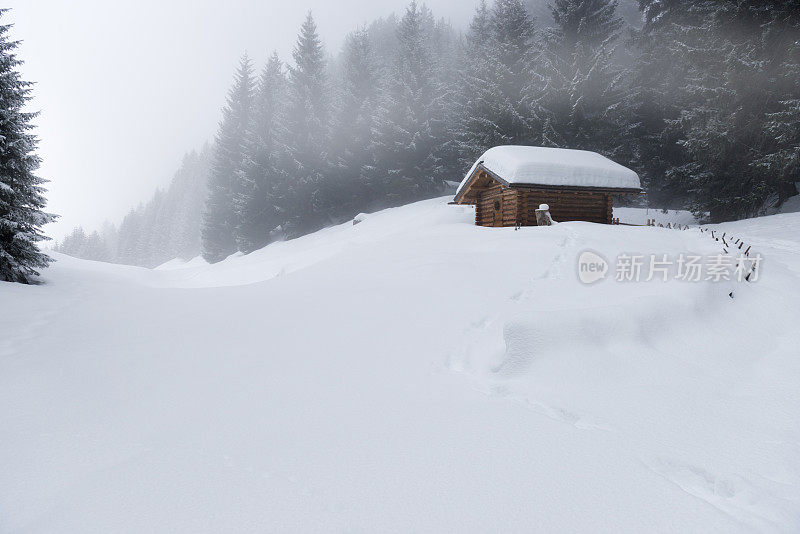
556	167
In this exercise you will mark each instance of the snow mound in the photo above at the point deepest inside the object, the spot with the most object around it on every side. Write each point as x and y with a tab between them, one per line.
178	263
285	257
412	373
554	167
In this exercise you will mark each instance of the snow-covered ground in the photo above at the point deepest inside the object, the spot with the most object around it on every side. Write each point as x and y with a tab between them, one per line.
641	215
409	373
791	205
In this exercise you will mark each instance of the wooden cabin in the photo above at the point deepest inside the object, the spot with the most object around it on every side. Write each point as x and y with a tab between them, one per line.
508	183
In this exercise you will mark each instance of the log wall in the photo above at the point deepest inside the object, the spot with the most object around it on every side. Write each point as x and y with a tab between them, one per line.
565	206
507	215
518	207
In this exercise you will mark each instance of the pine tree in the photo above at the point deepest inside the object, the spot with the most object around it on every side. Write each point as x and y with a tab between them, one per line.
590	24
512	34
154	239
702	117
130	231
355	120
73	243
226	175
583	92
383	41
80	245
305	202
21	193
496	77
110	235
95	248
448	55
781	34
184	204
784	162
409	134
477	129
729	93
478	42
264	180
658	74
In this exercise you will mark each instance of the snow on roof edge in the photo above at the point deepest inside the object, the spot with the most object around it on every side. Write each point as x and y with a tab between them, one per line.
531	165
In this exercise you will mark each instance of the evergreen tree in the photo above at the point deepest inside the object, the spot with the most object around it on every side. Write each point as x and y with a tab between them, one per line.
780	29
73	244
226	175
92	246
355	116
479	31
583	93
383	43
784	163
512	34
155	234
653	103
359	87
410	132
477	130
355	119
448	57
703	116
264	180
21	193
95	248
130	231
186	197
110	236
730	92
590	24
496	76
305	203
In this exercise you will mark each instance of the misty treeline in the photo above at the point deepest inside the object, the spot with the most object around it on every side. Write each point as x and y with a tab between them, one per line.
700	97
166	227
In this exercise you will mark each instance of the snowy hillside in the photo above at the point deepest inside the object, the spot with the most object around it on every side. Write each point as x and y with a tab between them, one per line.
412	372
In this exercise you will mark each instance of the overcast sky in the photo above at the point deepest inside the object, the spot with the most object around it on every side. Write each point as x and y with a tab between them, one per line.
125	89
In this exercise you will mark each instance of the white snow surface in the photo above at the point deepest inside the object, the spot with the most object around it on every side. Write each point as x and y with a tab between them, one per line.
664	217
791	205
518	164
412	373
178	263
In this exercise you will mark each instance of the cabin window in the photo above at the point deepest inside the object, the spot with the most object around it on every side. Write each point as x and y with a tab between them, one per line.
497	205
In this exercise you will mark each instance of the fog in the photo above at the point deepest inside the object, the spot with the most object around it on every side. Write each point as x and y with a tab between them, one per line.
125	92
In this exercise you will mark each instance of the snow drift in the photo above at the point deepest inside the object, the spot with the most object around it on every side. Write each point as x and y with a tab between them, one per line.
412	372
